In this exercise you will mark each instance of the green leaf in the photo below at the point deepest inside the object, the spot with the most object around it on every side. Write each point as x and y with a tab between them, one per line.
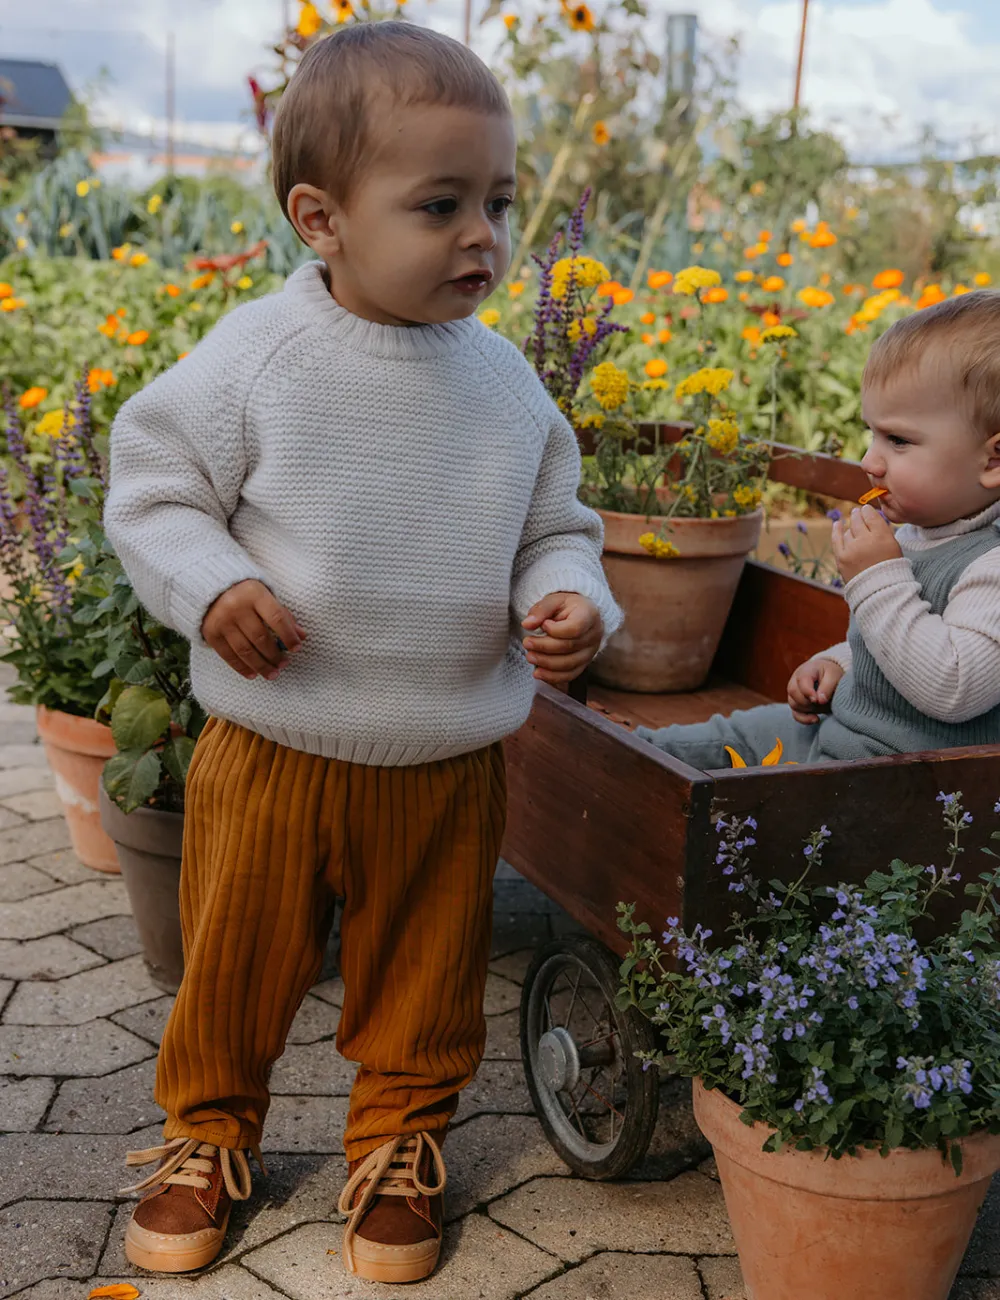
893	1132
177	754
140	718
109	699
103	668
131	778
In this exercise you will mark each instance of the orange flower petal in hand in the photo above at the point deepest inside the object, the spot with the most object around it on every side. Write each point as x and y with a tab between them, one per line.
873	495
737	761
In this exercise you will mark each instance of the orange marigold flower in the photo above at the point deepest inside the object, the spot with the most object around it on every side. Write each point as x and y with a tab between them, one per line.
823	239
931	295
752	335
824	280
515	288
959	289
717	294
659	279
621	297
772	283
203	281
608	289
580	18
600	134
137	338
181	356
765	236
744	277
813	297
510	21
784	259
982	279
664	336
98	379
769	319
744	296
32	397
649	339
648	318
110	327
121	313
172	290
889	279
6	291
798	226
656	368
753	251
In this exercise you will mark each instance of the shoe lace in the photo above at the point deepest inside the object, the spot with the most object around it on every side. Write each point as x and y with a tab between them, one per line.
188	1162
391	1170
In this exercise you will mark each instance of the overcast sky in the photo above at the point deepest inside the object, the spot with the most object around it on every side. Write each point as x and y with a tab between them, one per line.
912	62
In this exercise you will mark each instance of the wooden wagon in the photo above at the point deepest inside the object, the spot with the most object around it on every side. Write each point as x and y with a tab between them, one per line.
598	817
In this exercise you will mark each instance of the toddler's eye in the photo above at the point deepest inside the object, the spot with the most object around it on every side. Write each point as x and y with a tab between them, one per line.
442	207
897	441
498	206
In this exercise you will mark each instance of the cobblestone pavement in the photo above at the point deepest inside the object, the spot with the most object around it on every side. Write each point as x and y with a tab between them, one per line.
78	1035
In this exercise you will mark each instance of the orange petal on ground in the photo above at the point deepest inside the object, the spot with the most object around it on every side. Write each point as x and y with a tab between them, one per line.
117	1291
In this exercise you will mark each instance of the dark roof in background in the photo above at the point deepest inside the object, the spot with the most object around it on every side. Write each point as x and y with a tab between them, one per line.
32	93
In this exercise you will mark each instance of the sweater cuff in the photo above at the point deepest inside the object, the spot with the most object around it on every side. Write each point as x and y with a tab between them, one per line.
887	574
194	589
535	586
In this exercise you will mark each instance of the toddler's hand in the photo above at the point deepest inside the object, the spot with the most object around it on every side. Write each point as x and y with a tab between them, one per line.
573	630
811	688
244	625
863	540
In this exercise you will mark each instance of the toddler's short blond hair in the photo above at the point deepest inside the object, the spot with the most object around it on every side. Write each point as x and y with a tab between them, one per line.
965	331
322	126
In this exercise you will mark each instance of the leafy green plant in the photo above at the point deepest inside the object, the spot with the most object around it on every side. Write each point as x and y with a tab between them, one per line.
828	1015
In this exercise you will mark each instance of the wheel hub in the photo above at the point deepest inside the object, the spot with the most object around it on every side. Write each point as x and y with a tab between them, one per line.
558	1060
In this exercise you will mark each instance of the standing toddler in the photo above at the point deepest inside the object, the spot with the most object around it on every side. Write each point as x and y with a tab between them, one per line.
351	498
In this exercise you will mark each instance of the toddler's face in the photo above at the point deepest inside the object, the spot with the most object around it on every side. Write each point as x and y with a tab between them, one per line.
935	466
423	237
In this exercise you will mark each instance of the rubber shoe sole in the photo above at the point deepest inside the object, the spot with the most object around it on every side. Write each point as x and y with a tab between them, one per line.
380	1263
162	1252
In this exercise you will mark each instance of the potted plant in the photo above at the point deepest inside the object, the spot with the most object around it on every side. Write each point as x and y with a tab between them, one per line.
846	1066
695	502
51	487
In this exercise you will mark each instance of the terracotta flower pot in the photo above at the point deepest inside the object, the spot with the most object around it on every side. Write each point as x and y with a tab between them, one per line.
77	749
149	849
864	1227
675	609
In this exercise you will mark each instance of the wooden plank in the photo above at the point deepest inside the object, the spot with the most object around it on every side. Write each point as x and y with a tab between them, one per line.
812	471
631	709
777	621
597	817
877	810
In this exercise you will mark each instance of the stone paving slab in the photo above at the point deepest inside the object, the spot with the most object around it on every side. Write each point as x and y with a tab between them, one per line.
116	1103
229	1283
63	865
501	995
53	912
83	997
478	1260
503	1037
78	1049
306	1124
113	937
34	805
9	818
313	1068
22	780
20	842
87	1167
51	958
23	1103
723	1279
572	1218
20	880
20	755
617	1276
148	1020
51	1239
315	1019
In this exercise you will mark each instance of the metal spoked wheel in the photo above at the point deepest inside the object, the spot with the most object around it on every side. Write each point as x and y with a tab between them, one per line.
594	1100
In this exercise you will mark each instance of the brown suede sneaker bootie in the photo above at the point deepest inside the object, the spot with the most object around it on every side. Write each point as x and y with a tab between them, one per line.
394	1212
180	1224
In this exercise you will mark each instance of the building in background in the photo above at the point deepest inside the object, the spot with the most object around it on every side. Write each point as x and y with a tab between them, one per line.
34	97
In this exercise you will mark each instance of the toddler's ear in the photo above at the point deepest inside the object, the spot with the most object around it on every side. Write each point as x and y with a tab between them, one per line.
313	214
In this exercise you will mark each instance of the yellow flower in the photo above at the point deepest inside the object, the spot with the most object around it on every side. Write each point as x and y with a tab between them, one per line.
959	289
244	282
723	435
72	574
747	498
54	423
309	20
32	397
237	227
711	380
813	297
772	283
798	226
693	278
203	281
593	421
137	338
490	317
510	21
22	244
655	385
744	277
585	272
609	385
138	259
65	230
345	9
657	547
154	204
580	18
600	134
758	188
656	368
13	304
982	279
515	288
82	189
775	332
577	328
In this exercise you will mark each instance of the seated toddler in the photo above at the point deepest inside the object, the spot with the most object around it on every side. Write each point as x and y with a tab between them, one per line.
920	668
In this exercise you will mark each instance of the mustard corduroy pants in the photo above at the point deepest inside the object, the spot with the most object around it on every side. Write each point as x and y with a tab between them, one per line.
272	837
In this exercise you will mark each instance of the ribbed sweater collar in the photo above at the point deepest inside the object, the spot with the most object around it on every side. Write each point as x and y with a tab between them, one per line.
307	288
919	539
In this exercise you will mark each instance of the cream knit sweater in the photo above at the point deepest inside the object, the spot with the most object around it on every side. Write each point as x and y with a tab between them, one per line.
947	665
408	493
